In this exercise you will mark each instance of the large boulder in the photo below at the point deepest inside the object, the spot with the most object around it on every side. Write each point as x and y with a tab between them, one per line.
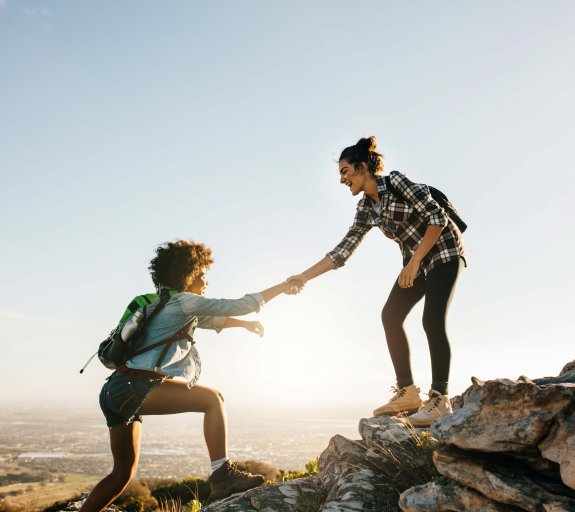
504	480
504	415
508	444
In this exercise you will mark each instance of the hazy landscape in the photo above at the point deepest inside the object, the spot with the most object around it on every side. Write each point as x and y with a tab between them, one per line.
49	454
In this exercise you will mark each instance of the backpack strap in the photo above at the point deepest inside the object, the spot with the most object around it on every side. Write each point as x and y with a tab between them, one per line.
439	197
164	298
391	188
134	305
182	333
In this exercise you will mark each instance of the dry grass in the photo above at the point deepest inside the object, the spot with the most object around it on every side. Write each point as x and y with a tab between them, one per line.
177	506
404	464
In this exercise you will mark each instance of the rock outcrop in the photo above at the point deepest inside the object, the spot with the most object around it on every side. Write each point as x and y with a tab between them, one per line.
509	446
444	494
278	497
353	475
511	443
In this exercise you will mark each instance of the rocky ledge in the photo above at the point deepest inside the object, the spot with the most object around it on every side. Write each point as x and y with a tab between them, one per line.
509	446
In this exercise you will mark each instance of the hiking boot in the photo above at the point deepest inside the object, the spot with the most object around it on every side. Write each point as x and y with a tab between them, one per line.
436	406
228	479
405	400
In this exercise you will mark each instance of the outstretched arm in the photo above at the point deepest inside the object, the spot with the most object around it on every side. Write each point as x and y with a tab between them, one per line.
196	305
340	254
321	267
254	326
270	293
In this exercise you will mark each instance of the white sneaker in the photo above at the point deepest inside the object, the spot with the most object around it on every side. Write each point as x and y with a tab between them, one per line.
405	400
436	406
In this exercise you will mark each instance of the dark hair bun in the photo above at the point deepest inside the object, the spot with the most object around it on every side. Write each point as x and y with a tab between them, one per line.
364	150
367	144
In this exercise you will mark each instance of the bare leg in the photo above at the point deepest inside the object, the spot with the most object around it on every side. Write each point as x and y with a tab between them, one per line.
174	397
125	444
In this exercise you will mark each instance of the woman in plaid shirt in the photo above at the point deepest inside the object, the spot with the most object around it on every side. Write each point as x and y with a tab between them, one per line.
432	250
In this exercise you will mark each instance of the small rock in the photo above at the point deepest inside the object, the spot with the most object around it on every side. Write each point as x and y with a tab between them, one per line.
446	495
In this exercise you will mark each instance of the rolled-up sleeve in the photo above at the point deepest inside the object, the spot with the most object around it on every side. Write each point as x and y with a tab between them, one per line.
196	305
215	323
419	196
342	251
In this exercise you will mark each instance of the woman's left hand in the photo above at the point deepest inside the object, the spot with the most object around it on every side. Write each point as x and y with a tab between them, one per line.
255	327
408	274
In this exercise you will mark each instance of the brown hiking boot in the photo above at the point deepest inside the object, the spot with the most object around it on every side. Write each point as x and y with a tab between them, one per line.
228	479
404	400
438	405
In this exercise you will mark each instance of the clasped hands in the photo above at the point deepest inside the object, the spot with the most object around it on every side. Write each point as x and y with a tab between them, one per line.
294	284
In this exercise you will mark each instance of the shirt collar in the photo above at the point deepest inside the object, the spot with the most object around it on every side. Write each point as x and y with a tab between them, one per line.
380	189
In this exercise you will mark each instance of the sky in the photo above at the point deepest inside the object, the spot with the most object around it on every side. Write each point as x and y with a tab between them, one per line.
124	125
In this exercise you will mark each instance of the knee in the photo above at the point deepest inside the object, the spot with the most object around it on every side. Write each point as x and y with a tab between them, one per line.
216	399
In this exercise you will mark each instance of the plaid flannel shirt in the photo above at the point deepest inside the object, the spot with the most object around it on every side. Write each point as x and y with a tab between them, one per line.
404	221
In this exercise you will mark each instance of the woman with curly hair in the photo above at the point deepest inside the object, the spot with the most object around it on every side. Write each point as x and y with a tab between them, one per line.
146	384
432	251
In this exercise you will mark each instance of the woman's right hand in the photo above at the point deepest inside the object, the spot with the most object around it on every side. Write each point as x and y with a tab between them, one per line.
297	283
286	287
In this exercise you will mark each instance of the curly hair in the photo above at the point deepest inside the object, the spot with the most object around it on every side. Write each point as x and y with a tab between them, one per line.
364	151
178	263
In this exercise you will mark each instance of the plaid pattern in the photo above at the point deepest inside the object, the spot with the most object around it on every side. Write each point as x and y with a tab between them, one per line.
404	222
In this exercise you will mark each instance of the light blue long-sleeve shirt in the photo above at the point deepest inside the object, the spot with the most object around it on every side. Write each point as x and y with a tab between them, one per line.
197	311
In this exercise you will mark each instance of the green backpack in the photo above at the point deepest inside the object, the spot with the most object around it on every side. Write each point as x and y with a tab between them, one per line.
124	340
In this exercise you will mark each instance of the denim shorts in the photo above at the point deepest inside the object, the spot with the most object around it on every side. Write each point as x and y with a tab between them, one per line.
122	396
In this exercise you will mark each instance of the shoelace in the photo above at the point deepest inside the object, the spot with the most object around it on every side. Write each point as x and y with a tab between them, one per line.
432	403
236	471
399	392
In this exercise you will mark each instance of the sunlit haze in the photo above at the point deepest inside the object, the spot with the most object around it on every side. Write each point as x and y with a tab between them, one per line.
128	124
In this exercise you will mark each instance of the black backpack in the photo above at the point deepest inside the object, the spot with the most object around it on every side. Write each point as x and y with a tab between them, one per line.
441	200
124	340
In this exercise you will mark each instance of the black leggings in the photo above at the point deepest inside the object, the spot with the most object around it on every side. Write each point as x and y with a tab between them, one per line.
438	287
